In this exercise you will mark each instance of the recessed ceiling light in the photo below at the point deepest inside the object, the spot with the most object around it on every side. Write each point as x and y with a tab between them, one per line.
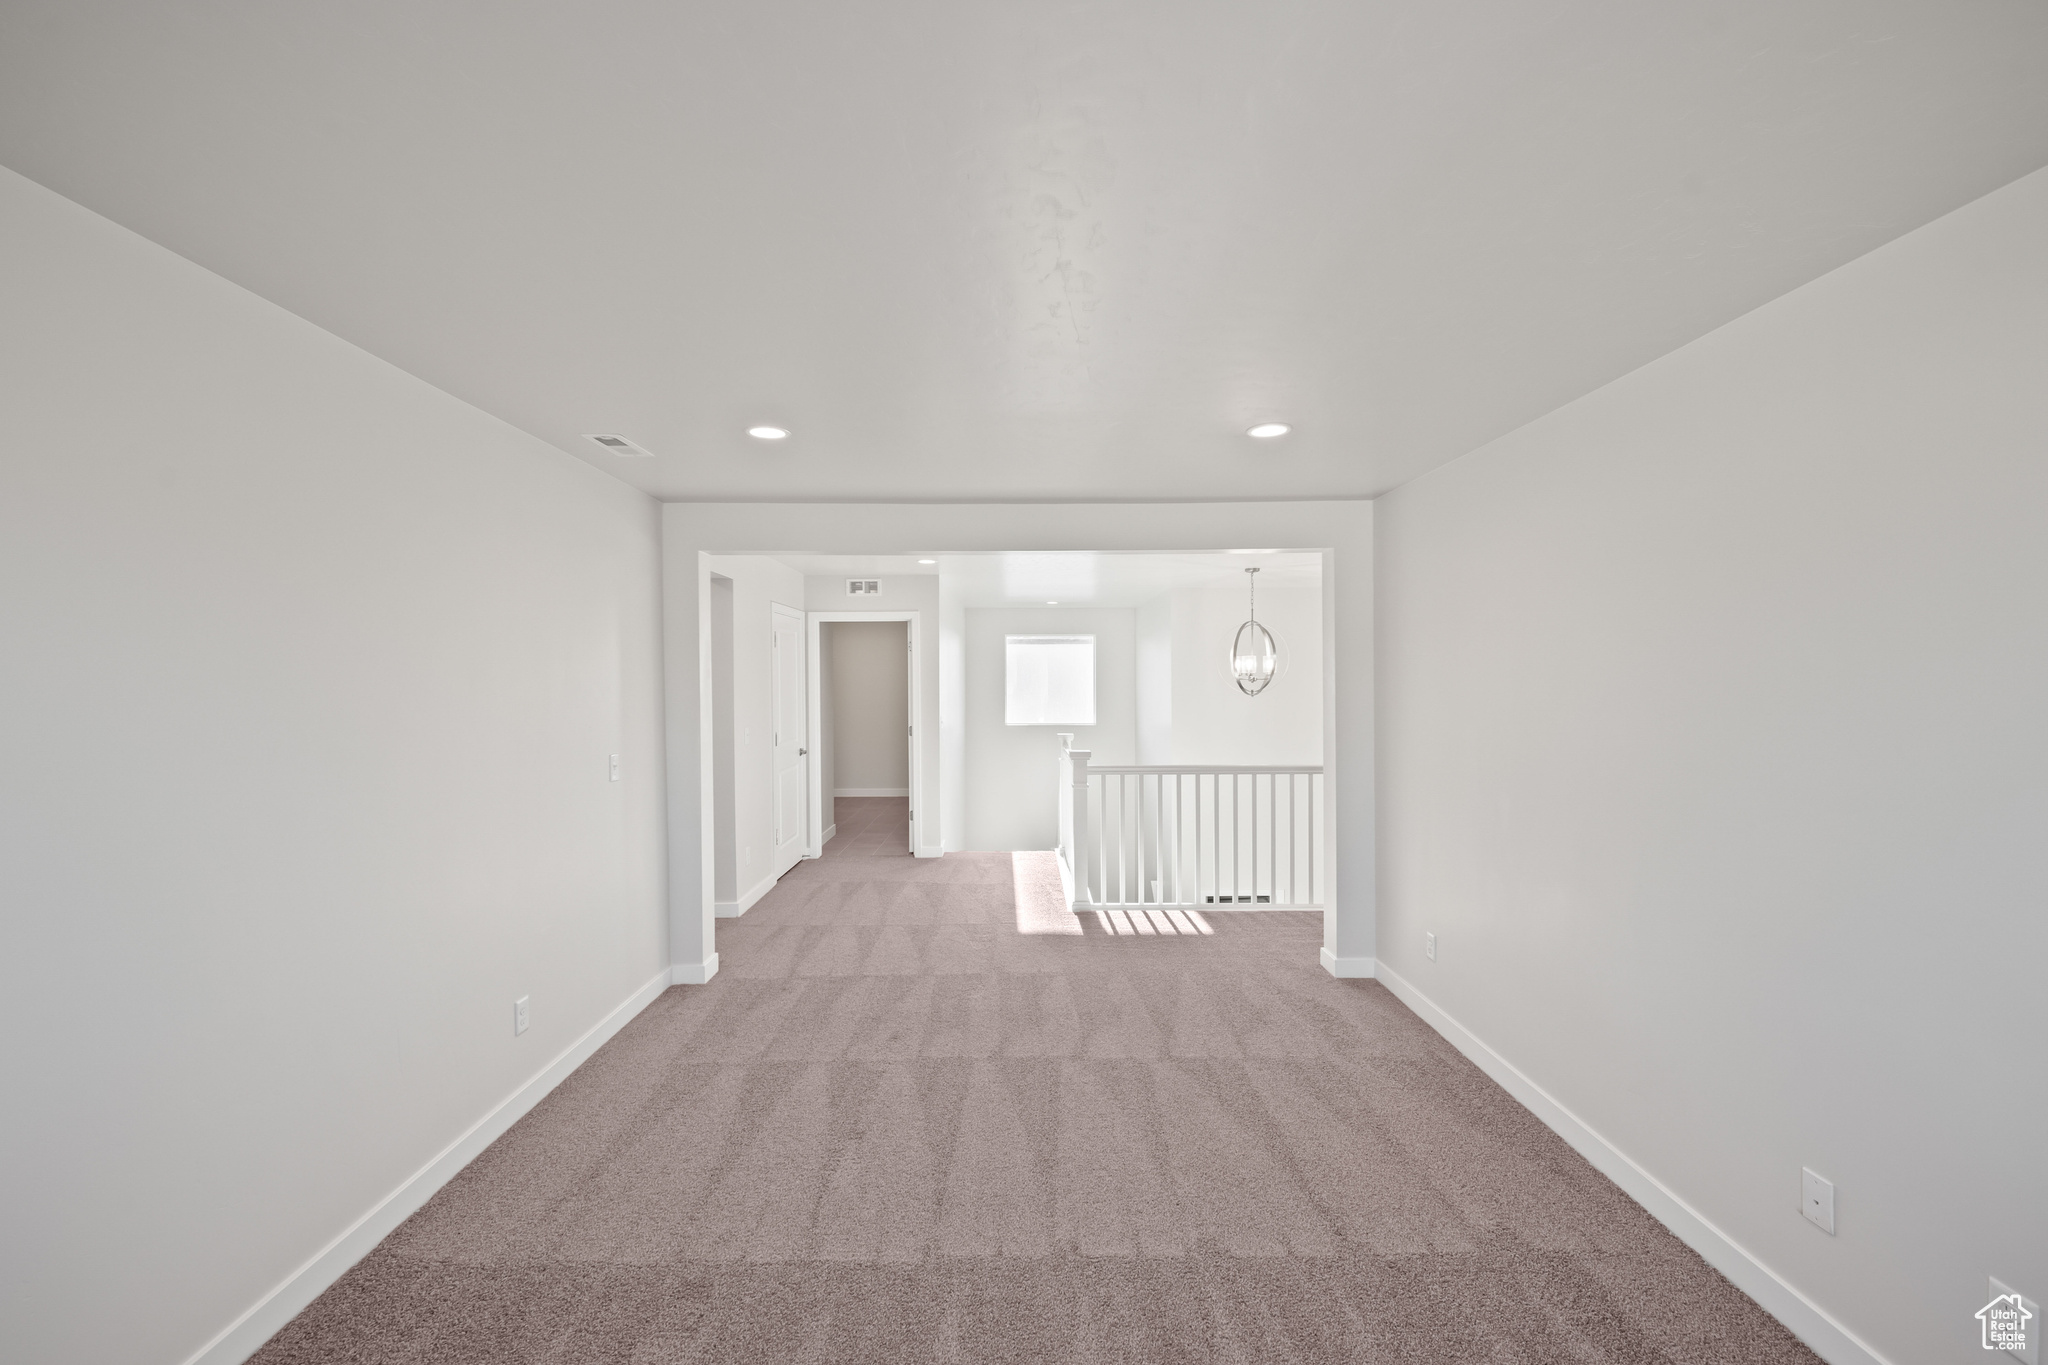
1052	604
1267	430
927	561
774	433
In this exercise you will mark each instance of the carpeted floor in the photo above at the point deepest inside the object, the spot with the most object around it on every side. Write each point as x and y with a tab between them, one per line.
923	1114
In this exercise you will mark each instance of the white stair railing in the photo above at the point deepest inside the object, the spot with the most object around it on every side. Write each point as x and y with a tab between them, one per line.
1208	836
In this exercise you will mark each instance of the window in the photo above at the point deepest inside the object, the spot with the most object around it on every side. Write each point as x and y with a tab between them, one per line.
1049	680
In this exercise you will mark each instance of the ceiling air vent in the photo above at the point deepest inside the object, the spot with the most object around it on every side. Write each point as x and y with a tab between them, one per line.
863	587
619	445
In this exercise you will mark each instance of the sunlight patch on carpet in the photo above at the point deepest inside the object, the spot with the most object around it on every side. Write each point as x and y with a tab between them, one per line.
1041	903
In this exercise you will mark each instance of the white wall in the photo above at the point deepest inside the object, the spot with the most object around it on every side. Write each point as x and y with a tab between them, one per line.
690	531
1013	770
1714	750
870	704
311	674
759	584
1190	708
1153	674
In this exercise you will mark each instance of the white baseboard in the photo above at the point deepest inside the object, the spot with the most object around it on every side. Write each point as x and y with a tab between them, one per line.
869	791
831	833
695	973
734	909
1805	1319
1349	968
242	1338
931	851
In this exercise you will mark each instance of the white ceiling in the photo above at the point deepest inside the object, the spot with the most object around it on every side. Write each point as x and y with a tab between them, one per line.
859	566
1016	250
1085	578
1107	580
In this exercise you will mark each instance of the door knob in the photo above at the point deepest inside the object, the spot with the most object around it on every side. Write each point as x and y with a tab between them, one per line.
801	752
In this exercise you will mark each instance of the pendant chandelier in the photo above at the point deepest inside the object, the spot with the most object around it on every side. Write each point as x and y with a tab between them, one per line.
1254	654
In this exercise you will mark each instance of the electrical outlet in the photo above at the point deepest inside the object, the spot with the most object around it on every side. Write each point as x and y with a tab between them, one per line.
1429	946
519	1015
615	767
1817	1201
2022	1338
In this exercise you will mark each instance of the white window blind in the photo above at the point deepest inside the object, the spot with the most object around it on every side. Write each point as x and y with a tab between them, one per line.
1049	680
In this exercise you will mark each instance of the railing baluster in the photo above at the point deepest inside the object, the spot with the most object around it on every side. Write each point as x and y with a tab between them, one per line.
1180	881
1129	844
1236	833
1123	840
1293	819
1138	839
1273	838
1169	850
1151	842
1099	807
1182	842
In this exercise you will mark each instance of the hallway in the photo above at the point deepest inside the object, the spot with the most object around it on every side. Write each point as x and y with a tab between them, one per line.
914	1120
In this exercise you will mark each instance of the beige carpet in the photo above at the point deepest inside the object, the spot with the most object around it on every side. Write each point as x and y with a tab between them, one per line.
922	1114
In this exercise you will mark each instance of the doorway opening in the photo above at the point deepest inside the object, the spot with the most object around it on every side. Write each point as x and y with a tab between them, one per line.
864	708
866	725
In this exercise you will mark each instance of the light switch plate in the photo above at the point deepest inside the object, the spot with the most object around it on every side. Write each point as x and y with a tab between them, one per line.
1817	1201
615	767
2031	1354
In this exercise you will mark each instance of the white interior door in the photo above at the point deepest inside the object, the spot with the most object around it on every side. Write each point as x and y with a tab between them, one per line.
792	744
